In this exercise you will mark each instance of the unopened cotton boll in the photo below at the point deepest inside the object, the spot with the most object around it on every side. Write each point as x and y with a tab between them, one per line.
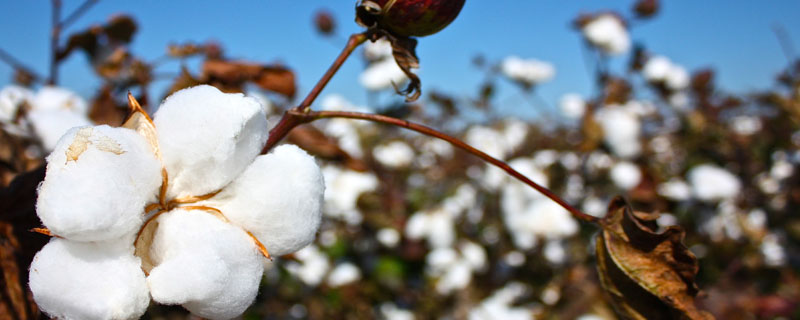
712	183
97	184
395	154
381	75
626	175
207	138
278	198
608	33
50	125
529	72
88	280
208	266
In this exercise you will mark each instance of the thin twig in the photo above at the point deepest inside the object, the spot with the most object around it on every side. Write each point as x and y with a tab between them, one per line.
55	34
16	64
786	46
77	13
354	41
314	115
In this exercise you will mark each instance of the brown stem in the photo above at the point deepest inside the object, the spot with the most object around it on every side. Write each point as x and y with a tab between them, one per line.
314	115
77	13
352	43
55	34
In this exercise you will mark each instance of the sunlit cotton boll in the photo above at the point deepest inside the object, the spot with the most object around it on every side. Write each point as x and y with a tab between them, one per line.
343	274
660	69
342	189
675	189
382	75
97	183
278	198
11	99
499	305
390	311
608	33
50	125
626	175
57	98
712	183
529	72
312	267
572	106
92	280
395	154
378	50
621	130
208	266
207	138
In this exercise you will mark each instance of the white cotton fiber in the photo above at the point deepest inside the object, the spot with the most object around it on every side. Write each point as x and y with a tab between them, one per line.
207	138
50	125
608	33
94	280
11	99
395	154
278	198
381	75
51	98
97	183
210	267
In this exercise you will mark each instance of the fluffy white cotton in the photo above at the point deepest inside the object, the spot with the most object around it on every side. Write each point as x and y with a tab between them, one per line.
343	274
97	183
458	276
712	183
626	175
499	305
50	125
207	138
572	106
389	311
378	50
208	266
529	72
56	98
488	140
342	189
11	99
473	254
437	226
542	218
621	130
312	267
381	75
278	198
95	280
660	69
388	237
517	196
746	125
608	33
675	189
395	154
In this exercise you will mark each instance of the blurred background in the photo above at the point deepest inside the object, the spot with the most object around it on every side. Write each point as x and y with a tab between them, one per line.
687	109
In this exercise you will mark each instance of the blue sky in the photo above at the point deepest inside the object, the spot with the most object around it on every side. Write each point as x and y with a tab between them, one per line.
734	36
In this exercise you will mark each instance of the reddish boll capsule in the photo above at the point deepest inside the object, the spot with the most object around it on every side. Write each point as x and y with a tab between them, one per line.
409	18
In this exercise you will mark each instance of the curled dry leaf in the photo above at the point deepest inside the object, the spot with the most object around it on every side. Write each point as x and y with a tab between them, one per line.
404	51
648	275
232	75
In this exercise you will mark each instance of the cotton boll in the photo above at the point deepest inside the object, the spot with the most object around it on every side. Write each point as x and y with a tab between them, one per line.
499	305
395	154
388	237
50	125
11	99
474	254
572	106
56	98
342	189
621	130
487	140
207	138
390	311
278	198
88	280
378	50
711	183
626	175
97	184
675	189
210	267
381	75
529	72
457	277
313	267
608	33
343	274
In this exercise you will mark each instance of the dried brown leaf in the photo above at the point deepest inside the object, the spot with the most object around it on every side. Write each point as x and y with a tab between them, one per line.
404	52
232	75
318	144
105	110
648	275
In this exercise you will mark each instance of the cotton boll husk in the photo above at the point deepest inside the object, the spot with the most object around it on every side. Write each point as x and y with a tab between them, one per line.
381	75
278	198
210	267
89	280
55	98
207	138
50	125
97	183
11	98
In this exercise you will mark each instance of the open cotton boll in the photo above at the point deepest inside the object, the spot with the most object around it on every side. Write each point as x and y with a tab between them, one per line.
626	175
56	98
529	72
210	267
608	33
381	75
378	50
621	130
343	274
278	198
572	106
395	154
50	125
11	98
207	138
94	280
342	189
712	183
97	183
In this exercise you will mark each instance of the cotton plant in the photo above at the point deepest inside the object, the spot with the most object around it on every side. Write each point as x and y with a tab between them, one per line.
181	209
607	32
528	72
